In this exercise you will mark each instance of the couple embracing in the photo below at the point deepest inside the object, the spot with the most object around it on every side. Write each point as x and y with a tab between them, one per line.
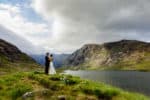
49	66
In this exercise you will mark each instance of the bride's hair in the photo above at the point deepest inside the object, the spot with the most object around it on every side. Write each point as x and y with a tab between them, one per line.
51	55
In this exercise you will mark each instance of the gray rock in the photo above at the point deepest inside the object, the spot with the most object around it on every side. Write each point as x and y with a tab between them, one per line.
61	97
27	94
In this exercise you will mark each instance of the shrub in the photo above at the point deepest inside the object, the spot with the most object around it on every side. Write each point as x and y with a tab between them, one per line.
69	80
45	82
111	92
55	78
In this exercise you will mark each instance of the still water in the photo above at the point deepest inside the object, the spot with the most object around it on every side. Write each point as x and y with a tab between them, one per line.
129	80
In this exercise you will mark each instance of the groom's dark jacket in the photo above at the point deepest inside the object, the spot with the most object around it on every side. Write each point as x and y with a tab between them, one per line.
47	60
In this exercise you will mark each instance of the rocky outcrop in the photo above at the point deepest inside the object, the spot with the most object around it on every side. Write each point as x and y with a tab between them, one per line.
124	52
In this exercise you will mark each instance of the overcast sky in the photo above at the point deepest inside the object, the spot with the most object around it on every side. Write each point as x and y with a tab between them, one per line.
62	26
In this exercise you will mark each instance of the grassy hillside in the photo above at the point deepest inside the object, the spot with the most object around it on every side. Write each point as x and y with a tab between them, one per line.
7	66
38	86
13	60
18	67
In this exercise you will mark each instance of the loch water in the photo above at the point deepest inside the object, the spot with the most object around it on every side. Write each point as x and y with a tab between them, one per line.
134	81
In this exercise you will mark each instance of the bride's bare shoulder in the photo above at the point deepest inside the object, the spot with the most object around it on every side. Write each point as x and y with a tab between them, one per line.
51	58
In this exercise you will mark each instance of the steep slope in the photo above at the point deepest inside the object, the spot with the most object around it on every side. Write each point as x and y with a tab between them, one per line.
125	55
12	59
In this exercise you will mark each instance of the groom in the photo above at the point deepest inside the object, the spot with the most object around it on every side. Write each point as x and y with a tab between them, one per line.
47	60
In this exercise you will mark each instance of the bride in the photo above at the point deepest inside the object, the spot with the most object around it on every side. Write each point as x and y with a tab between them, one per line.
52	68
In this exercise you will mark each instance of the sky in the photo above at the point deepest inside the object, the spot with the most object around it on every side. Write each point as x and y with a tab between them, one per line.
62	26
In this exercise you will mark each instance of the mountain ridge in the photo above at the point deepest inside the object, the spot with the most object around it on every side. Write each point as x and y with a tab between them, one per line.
124	54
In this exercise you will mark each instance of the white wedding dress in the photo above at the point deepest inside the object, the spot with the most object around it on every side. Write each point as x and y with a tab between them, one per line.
52	68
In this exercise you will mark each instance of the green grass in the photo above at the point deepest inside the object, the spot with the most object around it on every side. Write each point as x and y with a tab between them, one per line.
24	63
13	86
130	65
49	87
11	67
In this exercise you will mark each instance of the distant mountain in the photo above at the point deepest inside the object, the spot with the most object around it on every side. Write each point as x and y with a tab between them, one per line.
38	58
124	55
59	59
12	59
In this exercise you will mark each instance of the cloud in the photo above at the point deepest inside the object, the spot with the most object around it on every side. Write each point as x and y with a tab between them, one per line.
19	41
11	18
17	29
69	24
96	21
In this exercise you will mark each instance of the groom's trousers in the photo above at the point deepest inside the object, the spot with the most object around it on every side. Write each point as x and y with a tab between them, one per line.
46	68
